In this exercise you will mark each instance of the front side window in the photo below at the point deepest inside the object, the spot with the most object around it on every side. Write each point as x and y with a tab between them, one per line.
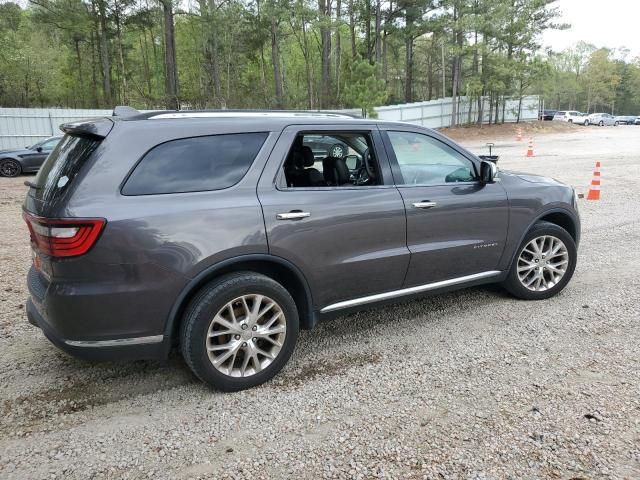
337	159
49	145
424	160
195	164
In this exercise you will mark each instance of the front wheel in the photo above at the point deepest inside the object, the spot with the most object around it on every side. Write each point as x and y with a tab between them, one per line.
10	168
616	124
586	123
544	264
601	123
239	331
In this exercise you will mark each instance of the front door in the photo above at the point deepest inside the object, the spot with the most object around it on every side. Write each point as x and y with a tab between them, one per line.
344	229
456	225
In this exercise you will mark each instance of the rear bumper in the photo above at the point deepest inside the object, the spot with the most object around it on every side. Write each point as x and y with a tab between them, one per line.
139	348
94	346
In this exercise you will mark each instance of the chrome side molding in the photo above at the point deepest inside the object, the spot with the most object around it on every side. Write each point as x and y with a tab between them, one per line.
409	291
119	342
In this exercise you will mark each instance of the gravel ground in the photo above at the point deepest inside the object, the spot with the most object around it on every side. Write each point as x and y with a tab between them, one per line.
472	384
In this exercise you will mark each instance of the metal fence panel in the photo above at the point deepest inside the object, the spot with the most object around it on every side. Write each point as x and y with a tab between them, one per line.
25	126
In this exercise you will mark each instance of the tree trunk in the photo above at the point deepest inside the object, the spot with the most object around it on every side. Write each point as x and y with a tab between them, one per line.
170	66
338	52
80	76
352	29
325	46
123	73
378	30
275	59
104	55
408	65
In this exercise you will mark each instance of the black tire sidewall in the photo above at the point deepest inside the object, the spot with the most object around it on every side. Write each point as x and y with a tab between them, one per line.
205	306
513	284
18	172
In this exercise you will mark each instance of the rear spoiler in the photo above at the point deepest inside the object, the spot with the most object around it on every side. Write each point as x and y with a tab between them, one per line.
95	128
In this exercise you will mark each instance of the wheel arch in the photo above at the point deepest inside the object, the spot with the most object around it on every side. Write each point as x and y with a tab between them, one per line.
277	268
559	216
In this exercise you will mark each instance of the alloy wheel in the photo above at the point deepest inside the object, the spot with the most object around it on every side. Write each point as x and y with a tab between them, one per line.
9	168
246	335
542	263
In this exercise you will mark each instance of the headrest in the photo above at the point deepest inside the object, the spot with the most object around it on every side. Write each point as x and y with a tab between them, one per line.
335	171
307	154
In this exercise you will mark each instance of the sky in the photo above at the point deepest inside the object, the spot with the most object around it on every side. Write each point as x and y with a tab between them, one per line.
609	23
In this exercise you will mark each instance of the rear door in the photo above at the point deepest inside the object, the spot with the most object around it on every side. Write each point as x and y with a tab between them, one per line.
349	241
456	225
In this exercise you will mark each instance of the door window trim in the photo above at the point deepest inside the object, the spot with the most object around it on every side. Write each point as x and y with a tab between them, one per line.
395	165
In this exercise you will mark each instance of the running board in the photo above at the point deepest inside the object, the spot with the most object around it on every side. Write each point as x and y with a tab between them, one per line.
409	291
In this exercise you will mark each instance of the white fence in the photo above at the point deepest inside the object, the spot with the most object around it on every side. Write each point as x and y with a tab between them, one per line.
437	113
25	126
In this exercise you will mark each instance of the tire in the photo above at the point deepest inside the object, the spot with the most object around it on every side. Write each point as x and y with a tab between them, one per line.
616	124
10	168
215	300
586	123
515	285
601	123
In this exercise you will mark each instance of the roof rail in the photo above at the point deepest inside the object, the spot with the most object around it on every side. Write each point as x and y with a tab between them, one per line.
124	111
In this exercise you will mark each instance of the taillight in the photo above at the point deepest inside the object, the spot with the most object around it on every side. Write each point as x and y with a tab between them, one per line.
68	237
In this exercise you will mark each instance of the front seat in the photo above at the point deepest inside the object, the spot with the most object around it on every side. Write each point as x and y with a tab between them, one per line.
312	176
335	171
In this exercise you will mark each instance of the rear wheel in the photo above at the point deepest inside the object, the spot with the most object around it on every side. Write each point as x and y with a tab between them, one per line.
10	168
586	123
544	264
601	123
616	124
239	331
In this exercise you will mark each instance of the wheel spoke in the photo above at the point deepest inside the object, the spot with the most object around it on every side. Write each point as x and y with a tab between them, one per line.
259	347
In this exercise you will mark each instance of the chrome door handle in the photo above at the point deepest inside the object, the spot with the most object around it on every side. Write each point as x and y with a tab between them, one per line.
292	215
425	204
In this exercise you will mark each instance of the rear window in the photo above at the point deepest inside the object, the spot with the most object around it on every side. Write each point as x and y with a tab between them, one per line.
61	166
195	164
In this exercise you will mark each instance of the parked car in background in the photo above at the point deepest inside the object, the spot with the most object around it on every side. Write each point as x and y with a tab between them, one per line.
603	119
547	115
626	119
572	116
26	160
219	232
325	146
637	120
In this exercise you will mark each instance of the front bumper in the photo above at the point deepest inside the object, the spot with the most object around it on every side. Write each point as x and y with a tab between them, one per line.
146	347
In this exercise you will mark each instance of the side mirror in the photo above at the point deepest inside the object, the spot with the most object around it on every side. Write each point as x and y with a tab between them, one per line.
488	171
39	149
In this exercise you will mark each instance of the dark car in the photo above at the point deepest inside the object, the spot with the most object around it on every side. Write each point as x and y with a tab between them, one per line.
547	115
325	146
220	234
26	160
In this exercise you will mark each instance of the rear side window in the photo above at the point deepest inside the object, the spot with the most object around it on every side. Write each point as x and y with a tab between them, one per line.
195	164
62	165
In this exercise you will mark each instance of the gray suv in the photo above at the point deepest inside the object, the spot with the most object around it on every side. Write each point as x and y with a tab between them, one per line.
221	234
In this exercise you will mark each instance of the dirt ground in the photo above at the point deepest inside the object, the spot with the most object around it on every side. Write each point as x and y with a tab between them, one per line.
509	130
471	384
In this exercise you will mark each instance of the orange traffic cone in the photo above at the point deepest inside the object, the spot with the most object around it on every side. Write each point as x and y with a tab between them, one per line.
519	136
594	189
530	149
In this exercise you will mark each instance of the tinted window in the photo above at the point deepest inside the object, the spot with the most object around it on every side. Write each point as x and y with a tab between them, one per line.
62	165
425	160
195	164
50	145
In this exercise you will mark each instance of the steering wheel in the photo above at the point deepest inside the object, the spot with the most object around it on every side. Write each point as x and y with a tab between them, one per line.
368	165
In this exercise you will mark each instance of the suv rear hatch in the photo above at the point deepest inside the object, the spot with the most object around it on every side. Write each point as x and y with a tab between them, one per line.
53	234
